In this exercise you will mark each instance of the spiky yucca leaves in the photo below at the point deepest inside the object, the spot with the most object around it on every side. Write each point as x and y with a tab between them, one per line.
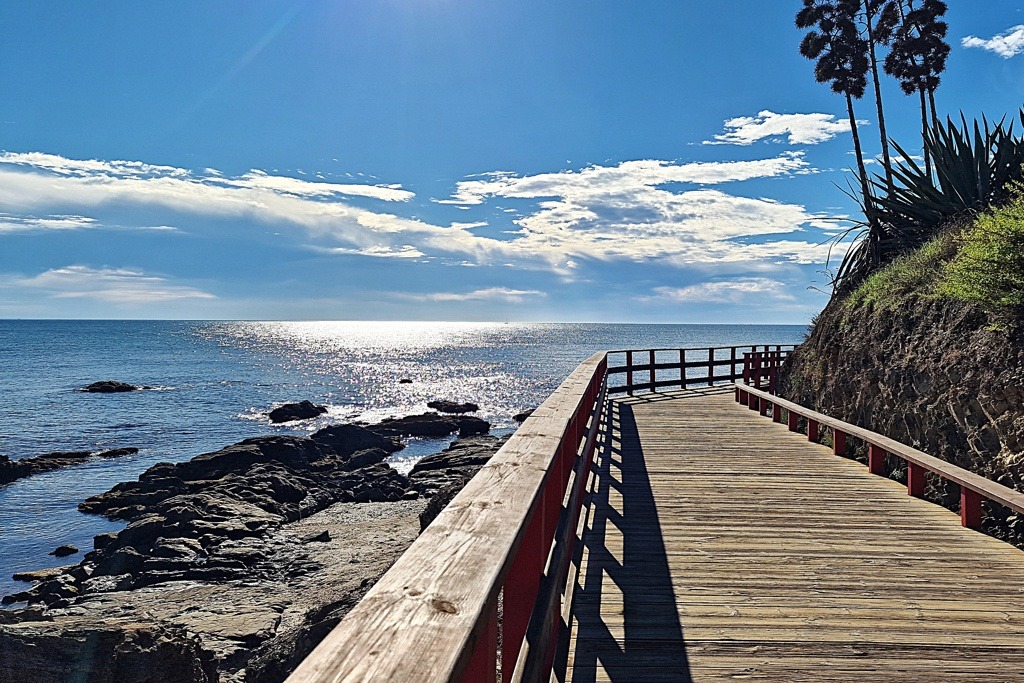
973	167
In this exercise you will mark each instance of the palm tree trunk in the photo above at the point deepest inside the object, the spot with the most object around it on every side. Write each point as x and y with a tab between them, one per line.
862	171
924	132
886	161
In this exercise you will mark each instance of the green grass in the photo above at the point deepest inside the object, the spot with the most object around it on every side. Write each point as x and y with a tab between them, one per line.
980	262
914	274
988	269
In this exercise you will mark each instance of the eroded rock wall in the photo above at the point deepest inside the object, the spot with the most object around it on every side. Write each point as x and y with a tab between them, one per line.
930	373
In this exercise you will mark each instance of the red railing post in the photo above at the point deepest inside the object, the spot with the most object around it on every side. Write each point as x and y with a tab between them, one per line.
915	480
732	363
793	421
970	508
752	401
711	367
483	666
876	459
762	406
838	442
776	412
812	430
682	368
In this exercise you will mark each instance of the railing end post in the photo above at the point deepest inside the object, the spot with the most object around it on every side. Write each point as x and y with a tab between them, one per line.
970	508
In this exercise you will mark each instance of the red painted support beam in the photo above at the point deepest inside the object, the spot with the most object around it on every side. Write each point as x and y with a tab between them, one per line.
752	402
970	508
776	412
762	406
739	397
794	421
915	480
876	459
838	442
484	664
812	430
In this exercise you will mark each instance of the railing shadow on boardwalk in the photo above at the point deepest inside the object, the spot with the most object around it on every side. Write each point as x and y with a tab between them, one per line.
637	565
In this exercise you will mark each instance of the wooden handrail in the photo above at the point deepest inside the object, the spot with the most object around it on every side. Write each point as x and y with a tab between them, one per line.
641	366
433	615
973	487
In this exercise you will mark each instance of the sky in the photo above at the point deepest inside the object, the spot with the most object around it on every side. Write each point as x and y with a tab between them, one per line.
537	160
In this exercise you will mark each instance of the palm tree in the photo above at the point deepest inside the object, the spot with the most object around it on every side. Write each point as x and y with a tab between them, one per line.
918	53
841	53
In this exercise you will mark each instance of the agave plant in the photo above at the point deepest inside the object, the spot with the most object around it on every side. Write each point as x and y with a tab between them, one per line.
973	168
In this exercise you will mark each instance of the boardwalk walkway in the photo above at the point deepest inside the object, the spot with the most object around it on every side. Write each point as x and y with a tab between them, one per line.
720	546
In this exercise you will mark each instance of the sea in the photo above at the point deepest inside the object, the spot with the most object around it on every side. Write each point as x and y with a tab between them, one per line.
213	383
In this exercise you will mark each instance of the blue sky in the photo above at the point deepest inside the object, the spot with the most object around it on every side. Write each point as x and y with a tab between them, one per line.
657	161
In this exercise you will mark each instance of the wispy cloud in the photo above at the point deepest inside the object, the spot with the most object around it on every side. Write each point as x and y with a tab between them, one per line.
505	294
796	129
12	223
1009	43
738	291
625	212
112	285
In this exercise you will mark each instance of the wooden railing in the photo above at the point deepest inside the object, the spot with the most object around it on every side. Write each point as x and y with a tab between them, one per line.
653	369
973	488
510	533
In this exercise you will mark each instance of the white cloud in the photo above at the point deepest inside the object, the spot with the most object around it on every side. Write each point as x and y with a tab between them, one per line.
738	291
489	294
627	211
112	285
12	223
622	212
798	129
1009	43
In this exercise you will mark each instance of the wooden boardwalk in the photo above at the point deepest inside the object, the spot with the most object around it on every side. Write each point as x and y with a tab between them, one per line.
720	546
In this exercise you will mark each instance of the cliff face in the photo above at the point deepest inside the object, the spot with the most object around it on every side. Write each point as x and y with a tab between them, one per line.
929	373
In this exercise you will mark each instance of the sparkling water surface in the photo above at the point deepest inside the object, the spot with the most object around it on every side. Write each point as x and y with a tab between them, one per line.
214	382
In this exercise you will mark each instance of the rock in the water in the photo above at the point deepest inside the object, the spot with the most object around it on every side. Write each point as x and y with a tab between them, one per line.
452	407
64	551
521	417
290	412
405	380
117	452
110	387
432	425
348	438
11	470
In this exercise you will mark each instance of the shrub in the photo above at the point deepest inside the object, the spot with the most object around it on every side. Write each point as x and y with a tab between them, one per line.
988	270
913	274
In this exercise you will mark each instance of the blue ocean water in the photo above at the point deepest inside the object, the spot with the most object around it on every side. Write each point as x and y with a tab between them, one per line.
213	383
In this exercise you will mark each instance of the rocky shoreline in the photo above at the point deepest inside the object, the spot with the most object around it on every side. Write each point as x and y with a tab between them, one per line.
234	564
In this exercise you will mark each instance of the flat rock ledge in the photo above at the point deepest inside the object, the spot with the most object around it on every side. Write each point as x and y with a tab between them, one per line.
233	565
12	470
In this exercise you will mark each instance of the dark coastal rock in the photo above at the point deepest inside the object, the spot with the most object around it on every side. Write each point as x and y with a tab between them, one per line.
442	475
110	387
405	380
453	407
432	425
521	417
64	551
12	470
290	412
90	650
346	439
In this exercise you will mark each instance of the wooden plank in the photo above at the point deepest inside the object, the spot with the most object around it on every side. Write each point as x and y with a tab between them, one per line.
721	546
989	489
